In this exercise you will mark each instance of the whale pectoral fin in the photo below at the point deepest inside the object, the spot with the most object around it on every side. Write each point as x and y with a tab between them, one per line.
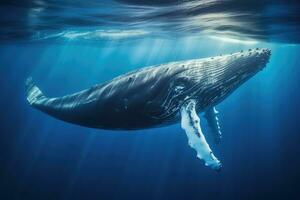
190	122
213	122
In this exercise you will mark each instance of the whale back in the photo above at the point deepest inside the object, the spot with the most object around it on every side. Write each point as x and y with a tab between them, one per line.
129	101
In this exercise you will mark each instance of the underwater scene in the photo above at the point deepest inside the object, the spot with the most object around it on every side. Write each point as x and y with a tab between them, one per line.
149	99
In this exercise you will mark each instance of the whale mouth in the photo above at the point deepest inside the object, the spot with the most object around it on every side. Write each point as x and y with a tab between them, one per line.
259	57
252	61
257	61
265	55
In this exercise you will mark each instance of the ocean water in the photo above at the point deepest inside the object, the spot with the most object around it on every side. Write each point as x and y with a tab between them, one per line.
67	46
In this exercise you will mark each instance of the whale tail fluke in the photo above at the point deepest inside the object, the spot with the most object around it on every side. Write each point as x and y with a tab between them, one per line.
33	93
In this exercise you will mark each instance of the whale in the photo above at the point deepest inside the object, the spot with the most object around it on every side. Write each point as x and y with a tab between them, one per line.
160	95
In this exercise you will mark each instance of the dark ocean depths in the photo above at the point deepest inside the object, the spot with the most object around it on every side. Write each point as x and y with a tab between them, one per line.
67	46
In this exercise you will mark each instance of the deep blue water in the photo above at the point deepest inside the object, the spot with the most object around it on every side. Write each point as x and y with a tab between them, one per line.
44	158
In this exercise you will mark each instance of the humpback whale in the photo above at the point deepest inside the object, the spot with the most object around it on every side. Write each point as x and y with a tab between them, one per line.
158	96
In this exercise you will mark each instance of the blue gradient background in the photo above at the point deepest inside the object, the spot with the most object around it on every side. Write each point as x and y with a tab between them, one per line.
44	158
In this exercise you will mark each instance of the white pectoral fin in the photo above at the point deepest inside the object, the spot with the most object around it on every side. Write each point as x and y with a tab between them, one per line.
213	122
190	122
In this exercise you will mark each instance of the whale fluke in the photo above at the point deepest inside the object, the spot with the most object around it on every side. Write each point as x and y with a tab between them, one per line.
33	93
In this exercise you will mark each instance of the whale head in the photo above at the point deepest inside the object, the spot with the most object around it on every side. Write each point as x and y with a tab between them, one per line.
209	81
218	77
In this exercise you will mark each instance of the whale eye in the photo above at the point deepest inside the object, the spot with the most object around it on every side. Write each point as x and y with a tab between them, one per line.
181	81
180	84
179	88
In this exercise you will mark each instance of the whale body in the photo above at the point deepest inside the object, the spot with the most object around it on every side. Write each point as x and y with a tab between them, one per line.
158	96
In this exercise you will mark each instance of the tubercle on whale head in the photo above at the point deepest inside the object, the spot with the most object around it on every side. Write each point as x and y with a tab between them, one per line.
252	61
209	81
223	74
